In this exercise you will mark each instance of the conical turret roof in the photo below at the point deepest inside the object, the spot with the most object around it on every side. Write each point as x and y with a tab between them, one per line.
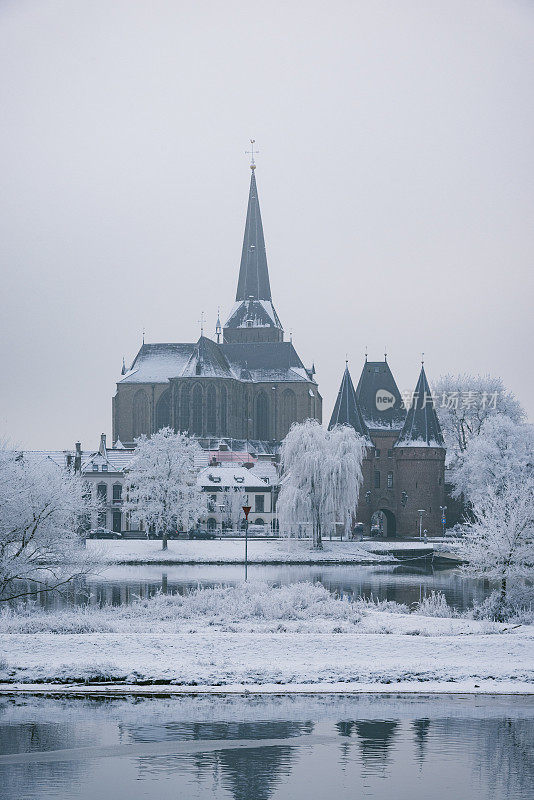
421	427
347	410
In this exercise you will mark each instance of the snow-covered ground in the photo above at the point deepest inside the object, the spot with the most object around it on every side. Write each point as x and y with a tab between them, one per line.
253	635
232	551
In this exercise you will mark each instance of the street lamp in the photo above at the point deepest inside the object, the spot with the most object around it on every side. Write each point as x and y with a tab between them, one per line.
246	510
421	511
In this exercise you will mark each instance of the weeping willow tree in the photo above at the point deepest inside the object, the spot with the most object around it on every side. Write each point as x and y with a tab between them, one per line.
321	478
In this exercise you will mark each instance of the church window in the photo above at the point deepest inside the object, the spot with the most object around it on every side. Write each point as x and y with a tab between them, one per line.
390	480
289	410
223	410
262	416
163	411
184	409
141	414
196	426
377	479
211	404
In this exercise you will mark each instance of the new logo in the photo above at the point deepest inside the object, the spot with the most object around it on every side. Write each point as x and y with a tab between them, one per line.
384	400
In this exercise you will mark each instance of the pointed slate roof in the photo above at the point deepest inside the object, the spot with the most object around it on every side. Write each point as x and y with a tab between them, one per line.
207	360
379	398
253	273
347	410
421	428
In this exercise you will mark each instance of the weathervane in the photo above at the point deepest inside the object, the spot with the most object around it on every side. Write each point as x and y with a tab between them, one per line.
251	153
422	359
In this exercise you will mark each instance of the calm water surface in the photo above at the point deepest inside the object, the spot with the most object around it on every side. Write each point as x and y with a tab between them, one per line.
293	748
404	583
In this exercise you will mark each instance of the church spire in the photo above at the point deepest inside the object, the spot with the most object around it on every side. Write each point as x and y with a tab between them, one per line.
253	317
253	281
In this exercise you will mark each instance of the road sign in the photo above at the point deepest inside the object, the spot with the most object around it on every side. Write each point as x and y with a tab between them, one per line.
246	509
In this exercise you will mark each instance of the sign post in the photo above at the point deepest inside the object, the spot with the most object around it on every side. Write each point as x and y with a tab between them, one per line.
443	509
246	511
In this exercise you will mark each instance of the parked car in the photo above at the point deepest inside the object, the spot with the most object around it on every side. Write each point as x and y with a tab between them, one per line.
258	530
201	534
104	533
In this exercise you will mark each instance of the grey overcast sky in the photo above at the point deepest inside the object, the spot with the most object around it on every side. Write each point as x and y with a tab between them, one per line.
395	178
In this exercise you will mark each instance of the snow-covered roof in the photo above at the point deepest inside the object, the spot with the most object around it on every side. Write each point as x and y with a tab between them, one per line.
156	363
253	314
421	428
244	361
377	382
235	477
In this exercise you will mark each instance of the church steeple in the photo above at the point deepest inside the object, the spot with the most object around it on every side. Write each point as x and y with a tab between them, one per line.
253	281
253	317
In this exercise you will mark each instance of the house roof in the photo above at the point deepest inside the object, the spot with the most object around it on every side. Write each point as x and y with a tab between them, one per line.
236	477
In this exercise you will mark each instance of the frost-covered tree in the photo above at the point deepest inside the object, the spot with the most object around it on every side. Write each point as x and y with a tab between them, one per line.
502	451
499	543
321	478
465	402
233	502
42	507
161	486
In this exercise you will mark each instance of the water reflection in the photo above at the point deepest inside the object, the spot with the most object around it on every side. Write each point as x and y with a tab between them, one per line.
383	748
421	729
401	583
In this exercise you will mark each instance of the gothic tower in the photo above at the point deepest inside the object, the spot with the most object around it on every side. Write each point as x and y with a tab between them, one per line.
253	317
420	462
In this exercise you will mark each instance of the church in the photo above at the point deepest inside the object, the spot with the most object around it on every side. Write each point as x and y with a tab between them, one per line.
240	392
247	388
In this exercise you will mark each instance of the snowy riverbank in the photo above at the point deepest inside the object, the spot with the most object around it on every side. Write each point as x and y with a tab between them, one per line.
232	551
256	636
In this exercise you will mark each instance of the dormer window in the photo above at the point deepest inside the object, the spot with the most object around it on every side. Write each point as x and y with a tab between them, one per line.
104	467
95	467
239	479
214	478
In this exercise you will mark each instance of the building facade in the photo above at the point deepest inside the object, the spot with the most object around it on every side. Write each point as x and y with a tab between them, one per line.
247	384
403	488
230	480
